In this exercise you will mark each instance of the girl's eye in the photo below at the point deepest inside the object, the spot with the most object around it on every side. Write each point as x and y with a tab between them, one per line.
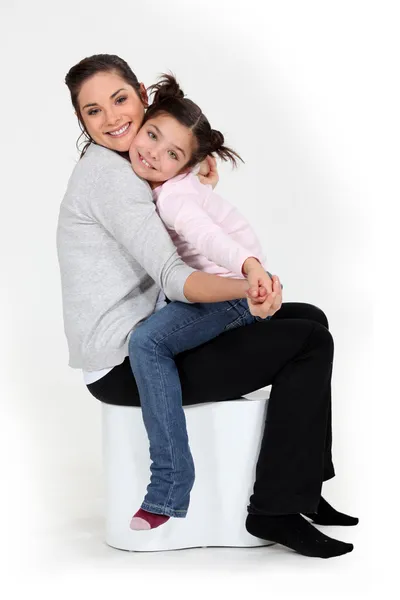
173	155
151	135
93	111
121	99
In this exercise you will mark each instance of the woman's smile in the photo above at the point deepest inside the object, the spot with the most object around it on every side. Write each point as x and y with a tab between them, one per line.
121	131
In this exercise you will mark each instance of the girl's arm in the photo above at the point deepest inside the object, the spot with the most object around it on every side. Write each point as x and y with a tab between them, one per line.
123	205
183	214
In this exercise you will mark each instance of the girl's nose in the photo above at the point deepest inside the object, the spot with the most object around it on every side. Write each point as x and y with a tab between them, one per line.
152	153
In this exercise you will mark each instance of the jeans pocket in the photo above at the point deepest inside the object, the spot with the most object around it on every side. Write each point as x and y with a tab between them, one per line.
243	316
239	322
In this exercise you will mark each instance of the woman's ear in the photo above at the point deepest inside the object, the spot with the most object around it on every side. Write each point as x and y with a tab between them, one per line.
143	95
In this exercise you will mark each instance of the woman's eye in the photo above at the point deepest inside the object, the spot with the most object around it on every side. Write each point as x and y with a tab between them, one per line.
93	111
173	155
121	99
151	135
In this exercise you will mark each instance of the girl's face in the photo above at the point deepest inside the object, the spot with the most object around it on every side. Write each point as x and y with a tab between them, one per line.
111	110
161	149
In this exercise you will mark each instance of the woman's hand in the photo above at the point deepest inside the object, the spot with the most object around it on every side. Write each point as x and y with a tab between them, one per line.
208	173
265	305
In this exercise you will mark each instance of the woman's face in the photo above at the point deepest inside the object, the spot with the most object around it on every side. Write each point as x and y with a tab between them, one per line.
111	110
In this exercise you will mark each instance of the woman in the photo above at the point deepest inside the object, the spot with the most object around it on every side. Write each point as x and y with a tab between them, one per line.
109	236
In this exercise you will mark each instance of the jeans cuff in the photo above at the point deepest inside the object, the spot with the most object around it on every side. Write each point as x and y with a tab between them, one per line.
164	510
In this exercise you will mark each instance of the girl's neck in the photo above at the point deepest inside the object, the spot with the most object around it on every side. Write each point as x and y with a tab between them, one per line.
156	184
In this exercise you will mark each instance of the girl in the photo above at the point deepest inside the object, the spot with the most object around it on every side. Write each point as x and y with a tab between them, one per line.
211	236
114	257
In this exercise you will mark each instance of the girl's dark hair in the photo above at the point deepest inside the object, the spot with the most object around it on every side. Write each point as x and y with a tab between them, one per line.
169	99
86	68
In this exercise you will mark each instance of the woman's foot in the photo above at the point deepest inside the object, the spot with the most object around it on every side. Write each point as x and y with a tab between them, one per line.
296	533
327	515
143	520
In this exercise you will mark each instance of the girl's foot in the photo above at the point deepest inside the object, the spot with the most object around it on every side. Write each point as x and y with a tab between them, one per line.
146	520
296	533
327	515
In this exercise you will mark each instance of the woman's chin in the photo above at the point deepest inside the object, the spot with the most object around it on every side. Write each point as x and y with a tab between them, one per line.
120	144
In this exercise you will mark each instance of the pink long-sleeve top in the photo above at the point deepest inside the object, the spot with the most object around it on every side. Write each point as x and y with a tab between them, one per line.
210	234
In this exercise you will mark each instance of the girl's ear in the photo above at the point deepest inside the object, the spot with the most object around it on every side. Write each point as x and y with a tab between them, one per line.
143	95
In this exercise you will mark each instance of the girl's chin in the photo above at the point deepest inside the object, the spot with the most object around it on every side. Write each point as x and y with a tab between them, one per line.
148	176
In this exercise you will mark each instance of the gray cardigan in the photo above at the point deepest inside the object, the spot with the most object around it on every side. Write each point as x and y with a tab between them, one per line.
114	255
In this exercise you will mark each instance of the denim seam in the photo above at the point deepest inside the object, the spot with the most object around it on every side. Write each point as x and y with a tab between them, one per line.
188	323
168	424
235	323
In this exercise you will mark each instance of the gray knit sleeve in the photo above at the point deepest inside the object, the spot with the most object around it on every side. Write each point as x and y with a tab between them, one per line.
122	203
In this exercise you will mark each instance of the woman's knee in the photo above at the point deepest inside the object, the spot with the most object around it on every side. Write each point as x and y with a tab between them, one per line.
317	314
323	337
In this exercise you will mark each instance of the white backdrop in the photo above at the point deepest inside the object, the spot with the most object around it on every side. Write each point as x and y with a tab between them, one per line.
297	88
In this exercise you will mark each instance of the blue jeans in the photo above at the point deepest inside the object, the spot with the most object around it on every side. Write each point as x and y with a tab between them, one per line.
152	348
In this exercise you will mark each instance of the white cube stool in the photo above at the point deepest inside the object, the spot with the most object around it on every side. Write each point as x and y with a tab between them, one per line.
224	439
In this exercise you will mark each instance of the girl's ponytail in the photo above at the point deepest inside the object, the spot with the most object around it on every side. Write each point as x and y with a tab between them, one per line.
165	89
224	153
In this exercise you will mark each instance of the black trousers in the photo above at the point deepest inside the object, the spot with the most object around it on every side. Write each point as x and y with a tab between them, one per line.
293	352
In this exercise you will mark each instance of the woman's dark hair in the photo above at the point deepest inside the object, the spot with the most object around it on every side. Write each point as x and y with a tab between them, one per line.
169	99
86	68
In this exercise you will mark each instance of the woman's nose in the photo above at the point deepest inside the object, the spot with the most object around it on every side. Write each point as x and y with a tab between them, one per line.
112	118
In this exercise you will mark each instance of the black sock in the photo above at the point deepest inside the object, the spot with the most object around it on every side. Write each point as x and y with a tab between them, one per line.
327	515
296	533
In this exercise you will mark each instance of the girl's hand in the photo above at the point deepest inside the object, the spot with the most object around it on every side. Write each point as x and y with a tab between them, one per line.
271	303
208	173
257	278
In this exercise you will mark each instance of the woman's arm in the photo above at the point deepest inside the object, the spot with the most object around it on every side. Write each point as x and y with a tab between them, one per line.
208	172
204	287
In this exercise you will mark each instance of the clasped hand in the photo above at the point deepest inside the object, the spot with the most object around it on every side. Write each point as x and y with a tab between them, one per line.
264	295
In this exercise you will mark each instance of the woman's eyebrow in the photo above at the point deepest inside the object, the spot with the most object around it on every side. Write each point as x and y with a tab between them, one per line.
117	92
160	133
111	97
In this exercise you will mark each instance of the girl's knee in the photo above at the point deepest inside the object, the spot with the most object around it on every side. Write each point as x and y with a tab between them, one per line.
141	338
191	479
